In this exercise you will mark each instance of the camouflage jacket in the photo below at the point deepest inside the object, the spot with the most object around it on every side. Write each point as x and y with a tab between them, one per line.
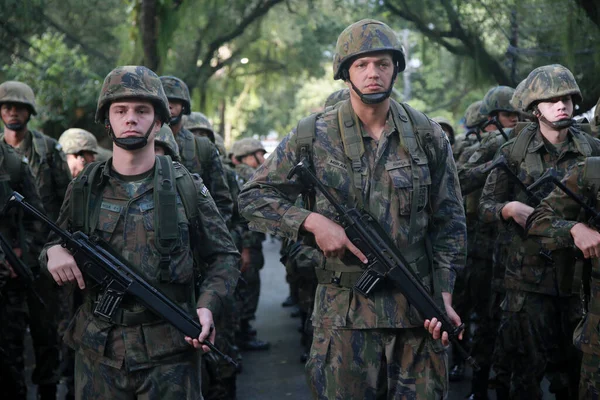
529	266
212	173
126	222
267	201
20	229
552	221
49	167
250	239
239	226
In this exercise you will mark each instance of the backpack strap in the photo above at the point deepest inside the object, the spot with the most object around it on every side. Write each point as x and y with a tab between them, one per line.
42	145
591	172
84	214
187	151
203	151
305	136
518	152
13	162
583	142
354	146
166	227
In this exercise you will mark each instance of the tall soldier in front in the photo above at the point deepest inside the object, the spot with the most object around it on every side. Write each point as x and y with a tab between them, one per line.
394	162
135	354
540	309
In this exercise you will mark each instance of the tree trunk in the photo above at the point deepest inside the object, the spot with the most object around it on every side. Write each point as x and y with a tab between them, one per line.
149	30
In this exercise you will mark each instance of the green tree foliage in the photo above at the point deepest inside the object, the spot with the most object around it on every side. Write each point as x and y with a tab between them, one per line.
66	89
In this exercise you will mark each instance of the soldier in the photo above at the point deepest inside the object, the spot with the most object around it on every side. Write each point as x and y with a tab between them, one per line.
51	173
473	122
447	127
198	154
376	346
80	147
496	105
130	356
199	125
539	311
165	143
27	238
250	154
556	221
337	96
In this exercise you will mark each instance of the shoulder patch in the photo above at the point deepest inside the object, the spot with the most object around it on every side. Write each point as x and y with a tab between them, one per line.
204	191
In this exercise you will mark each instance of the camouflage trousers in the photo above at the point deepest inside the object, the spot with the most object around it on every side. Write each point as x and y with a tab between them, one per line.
589	382
174	380
376	364
249	288
535	336
13	326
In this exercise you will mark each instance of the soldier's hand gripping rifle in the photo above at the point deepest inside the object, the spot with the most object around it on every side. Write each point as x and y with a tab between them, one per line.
117	279
385	261
23	272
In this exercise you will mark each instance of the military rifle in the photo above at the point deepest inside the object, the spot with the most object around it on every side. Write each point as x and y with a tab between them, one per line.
116	278
23	272
532	198
385	261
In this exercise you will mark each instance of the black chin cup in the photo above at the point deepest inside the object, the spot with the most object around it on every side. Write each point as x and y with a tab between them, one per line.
15	127
560	124
371	98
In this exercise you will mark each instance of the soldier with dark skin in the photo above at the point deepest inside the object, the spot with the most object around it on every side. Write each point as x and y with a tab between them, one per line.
372	347
198	155
539	310
136	354
26	237
558	220
51	172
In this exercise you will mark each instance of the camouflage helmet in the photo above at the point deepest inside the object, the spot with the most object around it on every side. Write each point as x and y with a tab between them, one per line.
166	140
595	123
176	89
76	140
446	122
246	146
497	99
197	120
18	92
132	82
516	101
548	82
220	143
473	117
337	96
363	37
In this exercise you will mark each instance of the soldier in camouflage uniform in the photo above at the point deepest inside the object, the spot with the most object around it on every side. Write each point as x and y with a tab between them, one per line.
556	221
539	311
447	127
165	143
199	125
80	147
473	122
27	238
136	354
198	154
249	154
370	347
51	173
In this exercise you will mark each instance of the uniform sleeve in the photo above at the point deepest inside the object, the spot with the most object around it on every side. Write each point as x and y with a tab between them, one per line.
447	230
472	173
558	213
61	176
218	186
217	249
496	194
63	222
36	231
267	200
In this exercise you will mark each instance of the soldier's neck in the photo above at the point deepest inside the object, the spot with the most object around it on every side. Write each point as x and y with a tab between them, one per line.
552	135
373	116
176	128
14	138
133	162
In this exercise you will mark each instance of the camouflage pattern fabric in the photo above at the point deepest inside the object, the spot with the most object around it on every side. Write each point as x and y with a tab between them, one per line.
176	89
548	82
246	146
473	116
164	138
589	381
18	92
171	380
347	364
211	171
497	99
337	96
198	123
365	36
76	140
446	126
135	349
132	82
220	143
340	315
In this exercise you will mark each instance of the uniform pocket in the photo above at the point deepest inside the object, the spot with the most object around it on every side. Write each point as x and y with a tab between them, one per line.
163	339
401	176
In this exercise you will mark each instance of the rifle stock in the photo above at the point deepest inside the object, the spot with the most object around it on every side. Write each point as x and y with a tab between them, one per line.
117	278
385	261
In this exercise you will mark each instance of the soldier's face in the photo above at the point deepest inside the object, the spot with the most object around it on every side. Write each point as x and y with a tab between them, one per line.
373	73
557	108
132	118
175	107
78	161
508	119
14	113
254	160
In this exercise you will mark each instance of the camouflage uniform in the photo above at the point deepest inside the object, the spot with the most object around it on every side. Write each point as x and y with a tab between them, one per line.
372	347
473	120
447	127
198	124
51	172
138	354
539	309
29	236
552	222
198	154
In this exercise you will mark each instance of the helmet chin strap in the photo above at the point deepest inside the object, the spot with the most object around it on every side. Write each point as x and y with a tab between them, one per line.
129	143
372	98
558	125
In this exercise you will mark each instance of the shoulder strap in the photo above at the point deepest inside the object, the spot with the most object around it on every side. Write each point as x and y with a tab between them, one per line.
591	172
84	216
187	151
518	150
305	135
13	163
41	145
520	126
354	148
203	152
583	142
166	228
